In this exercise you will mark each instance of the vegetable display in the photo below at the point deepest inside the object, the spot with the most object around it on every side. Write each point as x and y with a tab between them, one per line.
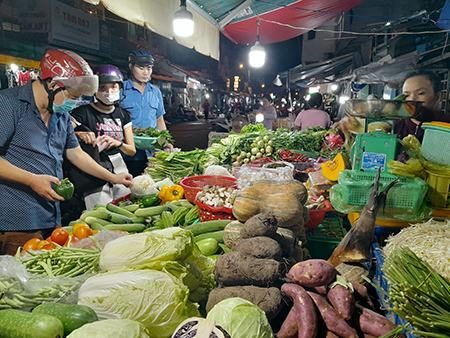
117	328
163	137
216	196
15	323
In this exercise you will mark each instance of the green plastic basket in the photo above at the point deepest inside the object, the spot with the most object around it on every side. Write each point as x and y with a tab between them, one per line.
436	144
322	240
353	190
145	143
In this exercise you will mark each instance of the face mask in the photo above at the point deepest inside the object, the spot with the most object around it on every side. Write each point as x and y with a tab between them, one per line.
108	98
68	105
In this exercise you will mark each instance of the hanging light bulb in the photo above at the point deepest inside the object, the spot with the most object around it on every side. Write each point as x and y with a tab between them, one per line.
183	21
257	54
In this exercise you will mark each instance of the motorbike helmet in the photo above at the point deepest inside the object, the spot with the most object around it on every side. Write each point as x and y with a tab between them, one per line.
109	74
141	58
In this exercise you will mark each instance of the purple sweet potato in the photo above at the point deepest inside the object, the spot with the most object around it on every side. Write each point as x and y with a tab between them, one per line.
332	320
369	336
313	272
342	300
331	335
268	299
362	292
321	290
374	324
233	268
304	309
289	328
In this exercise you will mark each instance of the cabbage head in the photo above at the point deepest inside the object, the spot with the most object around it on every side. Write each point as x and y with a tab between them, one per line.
156	299
117	328
147	249
241	319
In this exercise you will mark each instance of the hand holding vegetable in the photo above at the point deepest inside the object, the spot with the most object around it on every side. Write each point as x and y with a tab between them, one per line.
122	178
65	189
42	185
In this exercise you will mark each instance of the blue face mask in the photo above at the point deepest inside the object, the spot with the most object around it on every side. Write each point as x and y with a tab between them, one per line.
68	105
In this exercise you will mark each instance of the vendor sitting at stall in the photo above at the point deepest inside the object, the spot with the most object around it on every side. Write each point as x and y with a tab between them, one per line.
422	86
106	130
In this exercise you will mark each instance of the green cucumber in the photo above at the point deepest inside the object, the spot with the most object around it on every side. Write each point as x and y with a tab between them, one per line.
131	207
208	246
210	226
120	219
224	248
118	210
137	219
72	316
98	213
130	227
217	235
91	220
150	211
21	324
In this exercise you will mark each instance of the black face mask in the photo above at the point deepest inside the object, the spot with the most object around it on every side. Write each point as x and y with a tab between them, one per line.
424	114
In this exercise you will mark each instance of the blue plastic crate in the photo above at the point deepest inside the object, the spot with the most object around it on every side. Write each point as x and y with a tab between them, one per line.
382	288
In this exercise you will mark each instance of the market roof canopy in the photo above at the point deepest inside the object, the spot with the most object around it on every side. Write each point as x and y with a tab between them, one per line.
279	19
157	16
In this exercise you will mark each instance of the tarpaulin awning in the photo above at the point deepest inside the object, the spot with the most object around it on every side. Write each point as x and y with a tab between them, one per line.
444	18
320	71
157	16
281	20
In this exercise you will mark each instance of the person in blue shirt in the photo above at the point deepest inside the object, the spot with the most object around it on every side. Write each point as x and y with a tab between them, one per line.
144	101
35	133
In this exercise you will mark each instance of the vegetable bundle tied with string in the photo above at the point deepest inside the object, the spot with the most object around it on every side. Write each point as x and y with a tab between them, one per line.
418	293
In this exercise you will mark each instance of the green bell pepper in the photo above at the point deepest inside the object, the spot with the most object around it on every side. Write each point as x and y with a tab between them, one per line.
65	189
150	200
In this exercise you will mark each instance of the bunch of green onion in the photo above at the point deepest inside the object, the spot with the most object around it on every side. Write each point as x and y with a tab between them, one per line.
418	294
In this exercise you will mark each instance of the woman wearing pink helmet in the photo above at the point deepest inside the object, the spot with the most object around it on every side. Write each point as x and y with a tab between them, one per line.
36	132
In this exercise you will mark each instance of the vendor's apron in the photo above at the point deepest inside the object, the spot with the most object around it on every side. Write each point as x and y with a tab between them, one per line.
109	192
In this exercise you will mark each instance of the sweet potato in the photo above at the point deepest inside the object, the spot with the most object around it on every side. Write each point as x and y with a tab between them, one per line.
304	309
268	299
321	290
313	272
368	336
263	224
374	324
236	269
289	327
331	318
342	300
362	292
259	247
331	335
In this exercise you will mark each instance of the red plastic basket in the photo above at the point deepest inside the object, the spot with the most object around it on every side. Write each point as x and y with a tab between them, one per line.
316	216
208	213
192	185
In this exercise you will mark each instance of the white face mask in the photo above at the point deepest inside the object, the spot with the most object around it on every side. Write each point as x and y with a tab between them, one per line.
108	98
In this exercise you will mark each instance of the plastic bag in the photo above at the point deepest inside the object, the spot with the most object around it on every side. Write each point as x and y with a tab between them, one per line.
99	240
217	170
246	175
143	185
22	290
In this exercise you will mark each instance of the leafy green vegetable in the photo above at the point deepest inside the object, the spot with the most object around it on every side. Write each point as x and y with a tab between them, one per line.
147	248
118	328
241	319
156	299
250	128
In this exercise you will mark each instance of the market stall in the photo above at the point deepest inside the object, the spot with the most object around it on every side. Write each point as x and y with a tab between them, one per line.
250	238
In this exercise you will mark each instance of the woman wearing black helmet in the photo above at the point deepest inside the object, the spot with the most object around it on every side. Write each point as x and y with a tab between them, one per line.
105	130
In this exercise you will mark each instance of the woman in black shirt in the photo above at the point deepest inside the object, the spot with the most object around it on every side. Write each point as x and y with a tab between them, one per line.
105	129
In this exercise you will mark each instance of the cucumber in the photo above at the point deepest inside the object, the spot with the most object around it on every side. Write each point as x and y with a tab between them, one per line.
91	220
150	211
224	248
137	219
217	235
118	210
20	324
131	207
120	219
210	226
97	226
208	246
98	213
72	316
130	227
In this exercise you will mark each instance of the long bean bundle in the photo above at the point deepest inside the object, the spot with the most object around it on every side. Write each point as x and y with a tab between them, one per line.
418	293
62	261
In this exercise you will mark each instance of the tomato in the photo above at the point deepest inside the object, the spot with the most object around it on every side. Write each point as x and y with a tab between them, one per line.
46	245
32	244
82	232
60	236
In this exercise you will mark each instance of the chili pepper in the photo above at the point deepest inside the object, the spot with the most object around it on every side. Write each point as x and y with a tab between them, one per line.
150	200
171	193
65	189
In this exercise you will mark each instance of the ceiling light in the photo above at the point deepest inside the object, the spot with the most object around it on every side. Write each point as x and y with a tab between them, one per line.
183	21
